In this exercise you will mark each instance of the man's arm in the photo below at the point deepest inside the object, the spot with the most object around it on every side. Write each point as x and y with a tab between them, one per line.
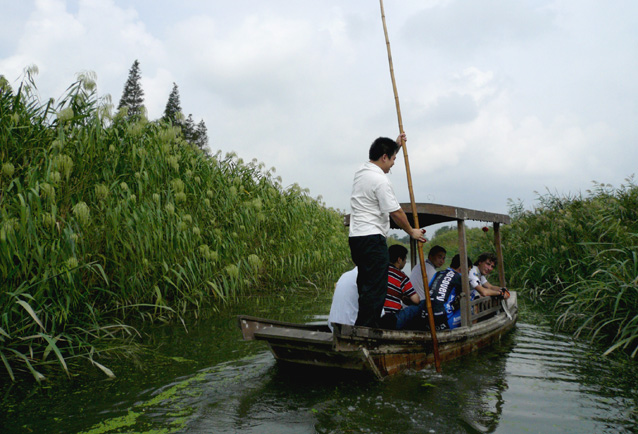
401	220
497	289
487	289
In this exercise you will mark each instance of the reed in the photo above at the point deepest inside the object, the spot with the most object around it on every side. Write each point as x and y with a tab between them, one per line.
577	255
477	242
105	222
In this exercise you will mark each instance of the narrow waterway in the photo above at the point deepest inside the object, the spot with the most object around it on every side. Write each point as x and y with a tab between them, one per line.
209	381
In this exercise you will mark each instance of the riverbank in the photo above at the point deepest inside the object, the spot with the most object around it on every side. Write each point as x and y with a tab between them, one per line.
104	221
577	256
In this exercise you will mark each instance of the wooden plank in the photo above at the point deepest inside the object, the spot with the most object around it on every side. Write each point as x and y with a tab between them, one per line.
484	306
466	312
317	356
369	363
296	335
432	213
250	324
499	254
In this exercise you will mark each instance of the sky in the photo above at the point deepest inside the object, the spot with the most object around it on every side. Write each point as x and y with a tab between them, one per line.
501	100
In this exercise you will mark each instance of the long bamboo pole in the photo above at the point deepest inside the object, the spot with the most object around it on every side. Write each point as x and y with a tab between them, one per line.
415	215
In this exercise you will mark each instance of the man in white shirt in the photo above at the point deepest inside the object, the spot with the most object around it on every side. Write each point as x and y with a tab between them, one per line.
373	202
345	300
436	259
478	278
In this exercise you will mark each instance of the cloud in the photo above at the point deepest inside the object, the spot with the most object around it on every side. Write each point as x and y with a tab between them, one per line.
499	99
97	36
461	28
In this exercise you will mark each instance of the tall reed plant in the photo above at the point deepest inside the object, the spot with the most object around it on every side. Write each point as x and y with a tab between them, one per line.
104	221
577	254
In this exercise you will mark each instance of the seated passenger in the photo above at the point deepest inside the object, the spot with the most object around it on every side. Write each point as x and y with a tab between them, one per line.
436	259
445	292
395	316
478	278
345	300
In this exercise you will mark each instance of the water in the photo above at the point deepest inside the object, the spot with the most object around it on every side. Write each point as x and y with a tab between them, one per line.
209	381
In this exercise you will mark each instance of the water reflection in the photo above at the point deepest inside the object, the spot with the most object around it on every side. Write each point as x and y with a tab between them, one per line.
532	381
467	397
568	386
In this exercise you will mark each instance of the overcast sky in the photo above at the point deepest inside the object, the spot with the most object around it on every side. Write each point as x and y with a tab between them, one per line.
499	98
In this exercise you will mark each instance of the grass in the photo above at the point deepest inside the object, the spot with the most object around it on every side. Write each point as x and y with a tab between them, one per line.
104	223
577	255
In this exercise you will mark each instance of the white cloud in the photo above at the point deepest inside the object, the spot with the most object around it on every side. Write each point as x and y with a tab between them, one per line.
98	36
498	98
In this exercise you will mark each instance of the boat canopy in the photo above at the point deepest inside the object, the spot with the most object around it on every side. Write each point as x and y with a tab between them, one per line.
433	213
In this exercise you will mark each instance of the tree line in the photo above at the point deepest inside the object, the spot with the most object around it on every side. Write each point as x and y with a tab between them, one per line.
132	104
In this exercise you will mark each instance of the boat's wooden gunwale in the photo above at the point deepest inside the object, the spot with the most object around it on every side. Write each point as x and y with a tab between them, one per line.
251	324
381	352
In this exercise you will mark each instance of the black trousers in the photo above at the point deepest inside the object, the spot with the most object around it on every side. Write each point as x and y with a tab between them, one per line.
370	254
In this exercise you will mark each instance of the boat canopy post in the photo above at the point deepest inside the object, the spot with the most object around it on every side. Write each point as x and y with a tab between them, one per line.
413	251
466	313
499	254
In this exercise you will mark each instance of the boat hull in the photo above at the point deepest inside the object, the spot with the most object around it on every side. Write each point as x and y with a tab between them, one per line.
377	351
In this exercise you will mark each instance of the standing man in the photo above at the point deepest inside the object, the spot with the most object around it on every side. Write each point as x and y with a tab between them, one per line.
436	259
373	202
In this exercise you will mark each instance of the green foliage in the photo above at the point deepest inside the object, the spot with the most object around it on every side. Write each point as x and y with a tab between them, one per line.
393	239
133	95
476	242
104	221
173	109
443	229
196	135
200	137
578	256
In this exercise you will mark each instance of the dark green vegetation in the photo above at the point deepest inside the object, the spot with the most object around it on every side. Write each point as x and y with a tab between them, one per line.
106	222
477	242
578	256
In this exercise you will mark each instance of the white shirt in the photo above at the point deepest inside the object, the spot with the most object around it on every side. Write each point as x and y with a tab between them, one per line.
476	278
371	201
417	279
345	300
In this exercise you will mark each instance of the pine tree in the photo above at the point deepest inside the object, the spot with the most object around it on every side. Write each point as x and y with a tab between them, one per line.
173	110
201	135
196	135
188	129
133	95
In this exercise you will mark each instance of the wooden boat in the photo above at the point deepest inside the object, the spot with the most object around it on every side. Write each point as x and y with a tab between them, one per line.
387	352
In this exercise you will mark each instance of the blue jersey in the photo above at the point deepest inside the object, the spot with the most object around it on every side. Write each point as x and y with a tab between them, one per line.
444	288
